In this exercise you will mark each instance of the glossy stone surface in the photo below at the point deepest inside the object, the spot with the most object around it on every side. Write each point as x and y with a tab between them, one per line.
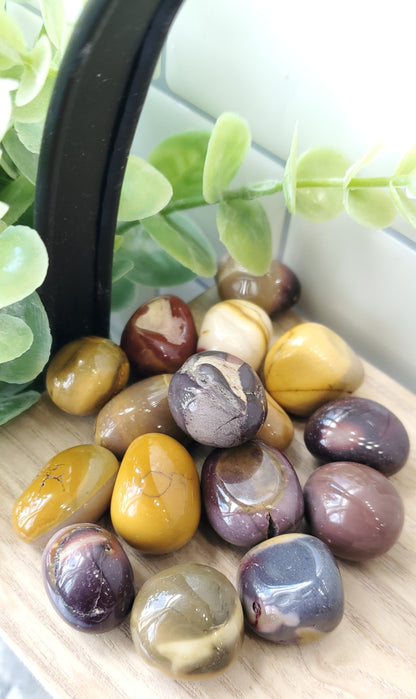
354	509
310	365
84	374
88	577
160	335
251	493
291	589
73	486
187	621
156	501
275	291
140	408
239	327
358	429
277	429
217	399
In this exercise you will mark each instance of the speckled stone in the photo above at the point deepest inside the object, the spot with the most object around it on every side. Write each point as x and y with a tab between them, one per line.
291	589
354	509
217	399
358	429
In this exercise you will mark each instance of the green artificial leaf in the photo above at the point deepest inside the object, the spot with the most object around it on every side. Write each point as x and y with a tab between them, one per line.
122	294
121	266
25	161
53	13
12	43
227	147
405	206
407	166
3	211
11	389
370	207
181	158
145	191
36	109
23	263
6	87
15	405
30	134
19	194
152	266
367	158
15	337
290	174
320	203
29	365
182	238
35	72
245	231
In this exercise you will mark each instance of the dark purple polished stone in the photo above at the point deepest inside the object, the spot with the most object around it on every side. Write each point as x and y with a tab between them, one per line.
354	509
291	589
217	399
358	429
88	577
250	493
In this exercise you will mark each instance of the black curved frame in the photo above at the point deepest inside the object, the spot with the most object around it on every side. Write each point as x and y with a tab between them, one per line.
97	100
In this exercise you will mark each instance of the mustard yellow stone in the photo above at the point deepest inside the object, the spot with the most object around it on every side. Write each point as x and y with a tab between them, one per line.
74	486
85	373
156	502
277	429
310	365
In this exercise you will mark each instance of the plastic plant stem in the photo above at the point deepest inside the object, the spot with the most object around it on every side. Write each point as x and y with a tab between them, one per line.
97	100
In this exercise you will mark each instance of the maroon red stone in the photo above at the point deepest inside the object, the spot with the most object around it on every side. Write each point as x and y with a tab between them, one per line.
159	336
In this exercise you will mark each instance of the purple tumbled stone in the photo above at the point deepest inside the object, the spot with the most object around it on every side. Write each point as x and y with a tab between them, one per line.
354	509
250	493
291	589
358	429
217	399
88	577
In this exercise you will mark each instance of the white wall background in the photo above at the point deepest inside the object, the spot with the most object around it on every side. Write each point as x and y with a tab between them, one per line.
345	74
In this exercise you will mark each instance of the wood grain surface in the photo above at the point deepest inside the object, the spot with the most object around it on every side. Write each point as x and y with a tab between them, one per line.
372	653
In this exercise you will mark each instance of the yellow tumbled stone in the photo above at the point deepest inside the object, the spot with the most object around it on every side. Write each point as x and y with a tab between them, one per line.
309	365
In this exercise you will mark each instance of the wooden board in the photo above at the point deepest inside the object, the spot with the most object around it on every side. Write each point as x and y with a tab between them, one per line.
372	653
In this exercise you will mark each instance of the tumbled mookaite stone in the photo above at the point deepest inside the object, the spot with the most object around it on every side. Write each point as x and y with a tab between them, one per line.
354	509
275	291
239	327
277	429
75	485
160	335
358	429
84	374
156	501
140	408
217	399
251	493
310	365
291	589
187	621
88	577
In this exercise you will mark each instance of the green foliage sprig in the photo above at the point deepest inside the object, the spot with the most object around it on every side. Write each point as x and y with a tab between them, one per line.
156	243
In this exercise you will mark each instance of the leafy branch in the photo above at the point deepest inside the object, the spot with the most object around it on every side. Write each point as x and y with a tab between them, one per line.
156	243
